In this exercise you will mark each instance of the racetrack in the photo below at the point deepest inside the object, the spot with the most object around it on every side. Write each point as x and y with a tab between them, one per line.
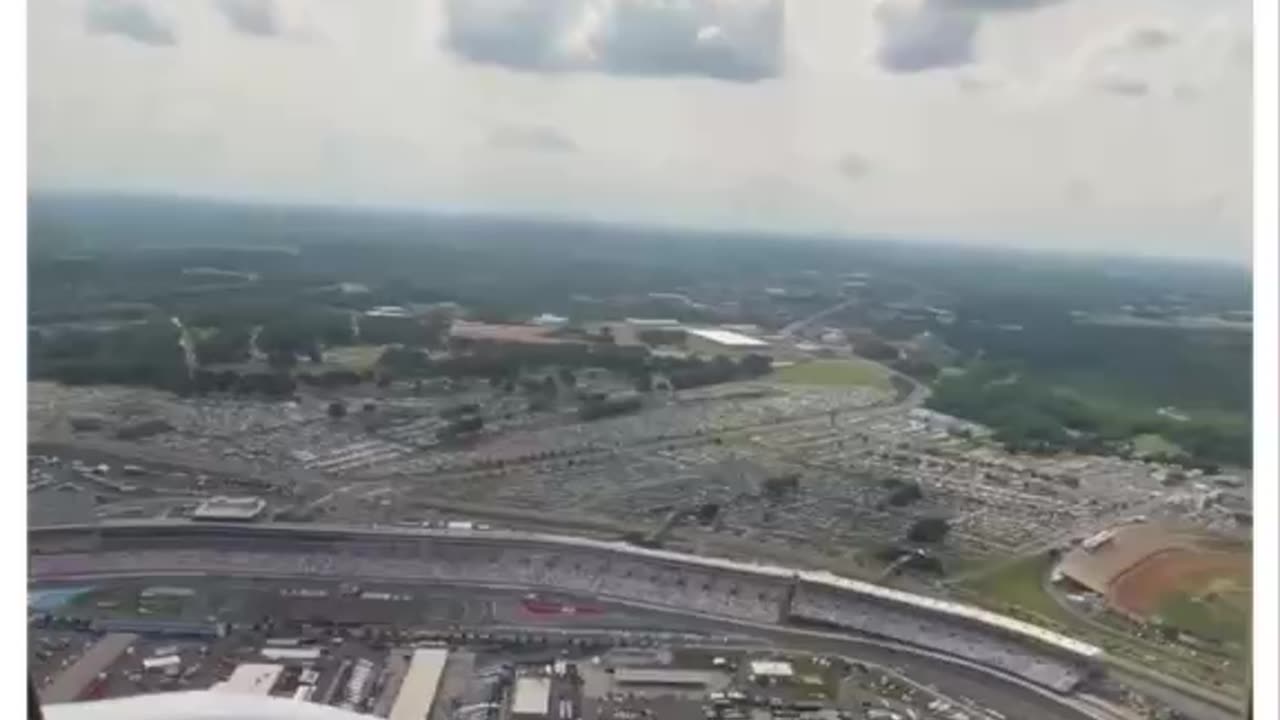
481	605
679	588
469	568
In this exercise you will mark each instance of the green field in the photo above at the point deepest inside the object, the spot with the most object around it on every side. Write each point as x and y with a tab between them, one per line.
1152	445
1021	584
1225	619
835	373
353	357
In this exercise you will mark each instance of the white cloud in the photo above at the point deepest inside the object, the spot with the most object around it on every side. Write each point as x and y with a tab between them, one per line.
924	34
532	137
724	39
129	19
853	166
1121	85
251	17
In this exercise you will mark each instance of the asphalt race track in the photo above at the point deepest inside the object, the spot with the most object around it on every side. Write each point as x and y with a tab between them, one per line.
479	607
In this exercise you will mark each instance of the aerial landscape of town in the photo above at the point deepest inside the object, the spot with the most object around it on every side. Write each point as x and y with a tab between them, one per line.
634	479
644	359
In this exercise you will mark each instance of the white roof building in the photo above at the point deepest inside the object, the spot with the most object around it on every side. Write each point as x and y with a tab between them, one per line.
531	698
230	508
772	668
727	338
653	322
418	691
291	653
196	705
251	679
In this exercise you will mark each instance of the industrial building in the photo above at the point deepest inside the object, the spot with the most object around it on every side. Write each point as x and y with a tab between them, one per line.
475	334
531	699
704	341
418	691
389	311
388	321
251	679
664	677
550	320
230	508
771	670
298	654
652	323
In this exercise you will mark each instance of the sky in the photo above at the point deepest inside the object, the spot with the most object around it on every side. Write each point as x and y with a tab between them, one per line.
1091	125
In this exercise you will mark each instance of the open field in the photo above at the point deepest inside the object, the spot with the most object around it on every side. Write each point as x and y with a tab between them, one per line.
1204	593
1022	584
1152	445
355	357
835	373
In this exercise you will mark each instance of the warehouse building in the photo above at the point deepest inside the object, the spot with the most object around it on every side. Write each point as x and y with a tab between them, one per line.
418	691
665	677
251	679
222	508
531	699
468	335
705	341
774	670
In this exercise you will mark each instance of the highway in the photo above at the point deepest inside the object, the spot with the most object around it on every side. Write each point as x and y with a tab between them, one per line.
792	328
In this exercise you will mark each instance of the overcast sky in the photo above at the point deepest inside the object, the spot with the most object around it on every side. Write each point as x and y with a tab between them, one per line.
1119	125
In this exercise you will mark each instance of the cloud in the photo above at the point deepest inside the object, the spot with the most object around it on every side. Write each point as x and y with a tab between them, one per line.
537	138
1079	193
1149	38
1122	85
251	17
736	40
918	35
853	166
1002	5
130	20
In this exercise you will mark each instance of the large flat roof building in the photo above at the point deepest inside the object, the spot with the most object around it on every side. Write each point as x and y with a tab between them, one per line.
418	691
230	508
727	338
664	677
252	679
718	341
486	333
531	699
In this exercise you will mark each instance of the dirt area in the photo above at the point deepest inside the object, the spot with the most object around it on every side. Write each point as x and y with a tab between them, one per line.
1207	577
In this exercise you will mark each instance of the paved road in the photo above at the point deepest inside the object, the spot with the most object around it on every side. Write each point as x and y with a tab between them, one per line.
792	328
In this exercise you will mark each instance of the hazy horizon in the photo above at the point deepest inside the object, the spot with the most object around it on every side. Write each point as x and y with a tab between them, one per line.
1067	125
426	214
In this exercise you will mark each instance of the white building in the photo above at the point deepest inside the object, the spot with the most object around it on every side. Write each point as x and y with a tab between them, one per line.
251	679
230	508
418	691
722	342
531	699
